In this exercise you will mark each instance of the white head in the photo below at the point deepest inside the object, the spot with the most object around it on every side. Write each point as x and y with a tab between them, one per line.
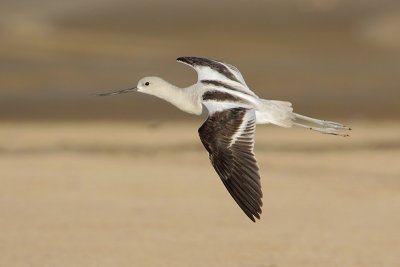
152	85
148	85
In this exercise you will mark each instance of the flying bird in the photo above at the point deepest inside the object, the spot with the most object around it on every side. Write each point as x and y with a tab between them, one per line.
232	112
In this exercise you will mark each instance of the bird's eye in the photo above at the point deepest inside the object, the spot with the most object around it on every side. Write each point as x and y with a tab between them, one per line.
146	83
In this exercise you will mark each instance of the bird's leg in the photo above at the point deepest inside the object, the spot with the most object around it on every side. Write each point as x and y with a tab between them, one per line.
324	123
331	131
328	127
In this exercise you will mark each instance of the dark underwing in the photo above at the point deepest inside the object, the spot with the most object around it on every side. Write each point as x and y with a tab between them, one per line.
234	161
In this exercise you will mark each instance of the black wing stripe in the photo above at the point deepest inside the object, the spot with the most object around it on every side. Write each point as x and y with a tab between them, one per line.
214	65
224	85
223	97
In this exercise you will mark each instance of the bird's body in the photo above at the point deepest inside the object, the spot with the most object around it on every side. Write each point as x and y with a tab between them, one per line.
232	112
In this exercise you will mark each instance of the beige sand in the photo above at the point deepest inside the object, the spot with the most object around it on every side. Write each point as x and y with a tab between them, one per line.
145	195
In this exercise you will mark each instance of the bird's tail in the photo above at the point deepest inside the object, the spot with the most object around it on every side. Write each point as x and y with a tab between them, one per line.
281	113
276	112
328	127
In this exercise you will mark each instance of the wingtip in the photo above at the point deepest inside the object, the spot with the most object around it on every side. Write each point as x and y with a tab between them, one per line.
181	59
194	60
186	60
253	217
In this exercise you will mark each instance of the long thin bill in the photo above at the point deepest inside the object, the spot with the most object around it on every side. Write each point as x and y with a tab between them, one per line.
134	89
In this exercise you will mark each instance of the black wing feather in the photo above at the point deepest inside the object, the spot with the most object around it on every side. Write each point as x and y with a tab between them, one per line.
234	161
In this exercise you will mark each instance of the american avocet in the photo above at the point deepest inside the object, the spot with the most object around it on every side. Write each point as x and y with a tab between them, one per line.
232	111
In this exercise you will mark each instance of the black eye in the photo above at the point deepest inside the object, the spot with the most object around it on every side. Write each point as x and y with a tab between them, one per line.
146	83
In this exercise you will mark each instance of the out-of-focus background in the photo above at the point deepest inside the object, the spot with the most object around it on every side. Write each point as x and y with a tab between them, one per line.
124	180
330	57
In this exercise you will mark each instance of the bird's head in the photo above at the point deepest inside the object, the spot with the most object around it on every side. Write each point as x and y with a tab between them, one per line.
147	85
151	85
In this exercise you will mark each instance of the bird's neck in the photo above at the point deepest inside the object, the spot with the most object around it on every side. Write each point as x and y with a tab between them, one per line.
184	99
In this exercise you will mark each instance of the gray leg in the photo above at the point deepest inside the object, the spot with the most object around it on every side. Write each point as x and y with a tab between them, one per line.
328	127
325	124
331	131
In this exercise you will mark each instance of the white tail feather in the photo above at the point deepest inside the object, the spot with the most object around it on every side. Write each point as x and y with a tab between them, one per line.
276	112
281	113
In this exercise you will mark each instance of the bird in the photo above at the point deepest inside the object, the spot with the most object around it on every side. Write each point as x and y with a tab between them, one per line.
232	111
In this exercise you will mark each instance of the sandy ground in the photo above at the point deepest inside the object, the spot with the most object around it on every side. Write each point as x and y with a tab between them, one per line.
102	194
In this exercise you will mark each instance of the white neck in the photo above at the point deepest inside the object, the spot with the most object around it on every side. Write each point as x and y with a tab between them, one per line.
184	99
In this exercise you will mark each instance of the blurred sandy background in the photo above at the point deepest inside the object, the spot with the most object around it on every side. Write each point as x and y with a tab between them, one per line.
124	181
332	57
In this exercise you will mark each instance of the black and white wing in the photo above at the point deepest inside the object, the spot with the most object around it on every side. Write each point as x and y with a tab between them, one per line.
217	73
228	136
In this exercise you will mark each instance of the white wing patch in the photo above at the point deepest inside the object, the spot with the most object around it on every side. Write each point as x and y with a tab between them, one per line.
249	118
